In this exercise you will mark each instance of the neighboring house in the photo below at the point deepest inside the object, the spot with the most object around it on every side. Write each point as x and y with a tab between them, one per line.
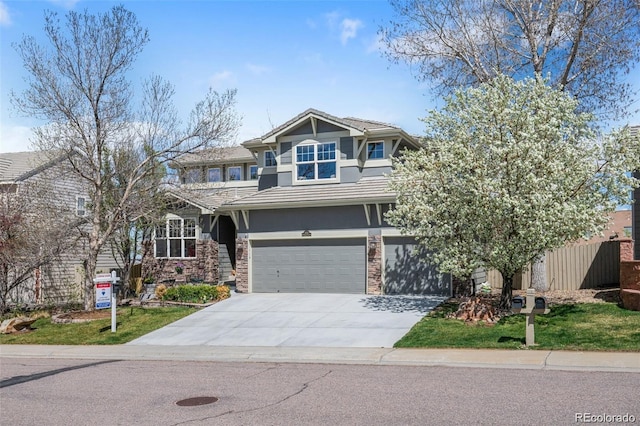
60	200
618	227
315	220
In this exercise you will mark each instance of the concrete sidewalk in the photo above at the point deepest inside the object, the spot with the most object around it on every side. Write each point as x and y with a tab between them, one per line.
479	358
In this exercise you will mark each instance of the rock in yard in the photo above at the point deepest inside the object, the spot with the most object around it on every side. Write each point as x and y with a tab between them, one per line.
13	325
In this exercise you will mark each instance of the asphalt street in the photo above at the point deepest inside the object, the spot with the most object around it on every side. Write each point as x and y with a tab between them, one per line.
106	392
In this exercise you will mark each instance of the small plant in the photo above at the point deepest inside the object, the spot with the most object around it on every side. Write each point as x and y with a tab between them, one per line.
149	280
160	291
485	288
196	293
179	267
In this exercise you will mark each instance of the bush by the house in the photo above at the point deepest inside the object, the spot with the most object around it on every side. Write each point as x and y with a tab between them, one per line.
196	293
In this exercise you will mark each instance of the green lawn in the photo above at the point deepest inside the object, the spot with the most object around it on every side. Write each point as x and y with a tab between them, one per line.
131	323
587	326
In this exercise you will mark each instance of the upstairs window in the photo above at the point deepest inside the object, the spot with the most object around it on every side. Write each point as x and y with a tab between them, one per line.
81	206
234	173
253	172
269	159
213	174
375	150
176	238
316	162
193	176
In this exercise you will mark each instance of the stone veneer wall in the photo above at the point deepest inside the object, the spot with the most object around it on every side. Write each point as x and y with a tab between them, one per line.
629	277
242	265
203	267
374	264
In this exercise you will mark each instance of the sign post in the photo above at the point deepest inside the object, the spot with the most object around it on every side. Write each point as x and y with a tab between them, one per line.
106	294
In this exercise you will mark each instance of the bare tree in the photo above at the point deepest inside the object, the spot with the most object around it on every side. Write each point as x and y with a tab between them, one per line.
587	47
35	231
78	83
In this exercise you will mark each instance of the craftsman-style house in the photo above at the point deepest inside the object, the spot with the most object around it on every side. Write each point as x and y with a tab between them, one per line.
299	209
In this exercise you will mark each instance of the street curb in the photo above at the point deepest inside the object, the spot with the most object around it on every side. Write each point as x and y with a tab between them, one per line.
469	358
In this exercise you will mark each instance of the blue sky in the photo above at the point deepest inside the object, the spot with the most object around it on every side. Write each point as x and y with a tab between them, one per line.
282	56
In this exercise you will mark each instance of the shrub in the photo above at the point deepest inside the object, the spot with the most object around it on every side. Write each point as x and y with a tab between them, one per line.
196	293
160	291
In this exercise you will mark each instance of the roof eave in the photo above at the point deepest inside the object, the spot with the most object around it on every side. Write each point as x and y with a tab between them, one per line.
301	204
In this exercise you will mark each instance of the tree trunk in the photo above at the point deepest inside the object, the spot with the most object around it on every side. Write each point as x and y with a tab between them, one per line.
507	292
89	275
539	273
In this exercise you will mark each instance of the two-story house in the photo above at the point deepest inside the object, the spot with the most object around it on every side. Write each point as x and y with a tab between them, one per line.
194	236
55	204
315	221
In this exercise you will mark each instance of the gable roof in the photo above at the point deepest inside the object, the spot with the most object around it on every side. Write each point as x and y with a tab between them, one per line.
356	126
366	190
216	155
18	166
209	199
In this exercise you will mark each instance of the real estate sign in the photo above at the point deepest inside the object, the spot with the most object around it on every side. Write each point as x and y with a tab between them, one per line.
103	295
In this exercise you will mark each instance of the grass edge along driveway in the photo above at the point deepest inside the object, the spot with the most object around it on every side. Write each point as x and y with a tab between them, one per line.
577	327
131	323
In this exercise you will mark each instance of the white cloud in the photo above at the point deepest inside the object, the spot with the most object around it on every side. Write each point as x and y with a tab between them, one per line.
5	18
257	69
349	29
222	78
15	139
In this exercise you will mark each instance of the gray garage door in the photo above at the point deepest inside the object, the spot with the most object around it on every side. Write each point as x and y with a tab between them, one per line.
311	266
406	272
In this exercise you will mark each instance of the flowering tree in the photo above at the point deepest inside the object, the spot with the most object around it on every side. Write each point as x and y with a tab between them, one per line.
509	170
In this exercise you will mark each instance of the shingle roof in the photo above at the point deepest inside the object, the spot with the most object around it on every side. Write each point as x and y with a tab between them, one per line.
211	198
19	165
367	190
218	155
355	123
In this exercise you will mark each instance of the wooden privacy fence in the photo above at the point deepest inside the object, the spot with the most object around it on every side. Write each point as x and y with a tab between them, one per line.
573	267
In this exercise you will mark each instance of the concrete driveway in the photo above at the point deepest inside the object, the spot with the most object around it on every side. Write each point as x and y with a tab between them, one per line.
302	320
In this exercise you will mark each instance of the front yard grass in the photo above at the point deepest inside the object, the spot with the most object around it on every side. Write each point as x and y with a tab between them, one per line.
131	323
576	327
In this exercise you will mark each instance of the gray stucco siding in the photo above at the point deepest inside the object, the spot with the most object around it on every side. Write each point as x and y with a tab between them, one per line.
408	272
311	218
307	129
346	148
285	153
285	178
267	180
376	171
350	174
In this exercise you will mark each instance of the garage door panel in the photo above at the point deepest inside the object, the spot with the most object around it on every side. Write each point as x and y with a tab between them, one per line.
406	272
327	266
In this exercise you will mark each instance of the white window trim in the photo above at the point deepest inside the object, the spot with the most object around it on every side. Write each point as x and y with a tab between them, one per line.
384	150
229	174
275	159
219	172
315	145
257	172
168	238
81	213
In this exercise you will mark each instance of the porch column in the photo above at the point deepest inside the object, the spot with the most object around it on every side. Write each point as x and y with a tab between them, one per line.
242	264
374	264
